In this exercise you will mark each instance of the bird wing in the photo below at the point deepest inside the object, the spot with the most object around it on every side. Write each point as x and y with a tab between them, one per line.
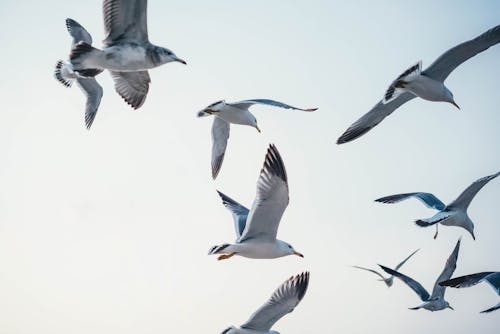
451	59
220	135
78	33
248	103
132	86
283	301
468	194
414	285
370	270
94	92
373	117
428	199
240	213
125	21
404	261
449	268
271	199
470	280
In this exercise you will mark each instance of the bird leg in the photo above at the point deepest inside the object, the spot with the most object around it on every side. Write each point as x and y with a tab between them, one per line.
436	234
225	256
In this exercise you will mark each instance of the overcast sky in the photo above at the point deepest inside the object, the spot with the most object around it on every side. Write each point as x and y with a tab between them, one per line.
106	231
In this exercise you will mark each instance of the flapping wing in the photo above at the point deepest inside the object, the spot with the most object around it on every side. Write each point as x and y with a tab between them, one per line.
449	268
248	103
451	59
404	261
414	285
463	201
428	199
283	301
271	199
493	279
78	33
240	213
94	92
220	135
373	117
133	87
125	21
370	270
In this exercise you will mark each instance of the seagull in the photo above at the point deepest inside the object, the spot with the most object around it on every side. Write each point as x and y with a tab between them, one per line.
127	52
256	229
65	74
389	280
283	301
233	113
493	279
427	84
434	302
454	214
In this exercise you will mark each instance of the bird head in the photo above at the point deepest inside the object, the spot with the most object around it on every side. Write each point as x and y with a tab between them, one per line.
287	249
167	56
448	97
254	122
448	306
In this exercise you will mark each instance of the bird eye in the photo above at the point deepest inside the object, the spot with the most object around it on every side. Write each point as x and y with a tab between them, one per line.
289	246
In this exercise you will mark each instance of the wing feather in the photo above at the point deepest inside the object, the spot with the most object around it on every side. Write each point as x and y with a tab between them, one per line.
125	21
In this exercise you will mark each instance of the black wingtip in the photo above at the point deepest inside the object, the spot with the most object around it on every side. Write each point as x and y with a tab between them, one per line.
274	163
301	282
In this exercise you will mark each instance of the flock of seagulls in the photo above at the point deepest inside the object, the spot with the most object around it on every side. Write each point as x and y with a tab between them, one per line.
128	55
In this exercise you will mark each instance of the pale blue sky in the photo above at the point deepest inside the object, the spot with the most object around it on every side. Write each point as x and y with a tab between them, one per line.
107	231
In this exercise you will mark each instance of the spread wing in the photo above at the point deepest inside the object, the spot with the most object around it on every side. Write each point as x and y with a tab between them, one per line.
493	279
463	201
404	261
373	117
370	270
94	92
414	285
248	103
125	21
451	59
220	135
283	301
132	86
449	268
271	199
78	33
428	199
240	213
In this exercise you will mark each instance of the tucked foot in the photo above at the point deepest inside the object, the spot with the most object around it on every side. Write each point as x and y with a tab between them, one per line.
436	234
225	256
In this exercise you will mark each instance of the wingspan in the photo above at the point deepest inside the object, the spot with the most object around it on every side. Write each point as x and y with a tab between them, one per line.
133	87
493	279
283	301
125	21
414	285
428	199
248	103
451	59
220	136
449	268
373	117
463	201
271	199
240	213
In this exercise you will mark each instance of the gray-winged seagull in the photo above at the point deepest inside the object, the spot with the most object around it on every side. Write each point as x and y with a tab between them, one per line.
233	113
491	277
453	214
283	301
427	84
434	302
387	280
127	52
256	229
64	73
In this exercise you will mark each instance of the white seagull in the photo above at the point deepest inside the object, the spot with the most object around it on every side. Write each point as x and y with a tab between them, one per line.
283	301
387	280
491	277
64	73
233	113
453	214
127	52
427	84
434	302
256	229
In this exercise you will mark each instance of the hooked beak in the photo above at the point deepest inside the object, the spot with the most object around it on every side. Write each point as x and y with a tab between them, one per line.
180	60
257	127
473	236
451	308
455	104
298	254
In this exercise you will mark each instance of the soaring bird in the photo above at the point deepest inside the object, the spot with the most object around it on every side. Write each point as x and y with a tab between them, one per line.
491	277
453	214
127	52
427	84
226	113
435	301
65	74
283	301
256	229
